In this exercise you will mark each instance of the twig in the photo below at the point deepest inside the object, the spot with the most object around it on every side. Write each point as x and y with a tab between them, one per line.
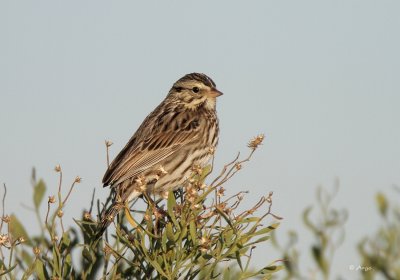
108	144
3	207
92	201
69	193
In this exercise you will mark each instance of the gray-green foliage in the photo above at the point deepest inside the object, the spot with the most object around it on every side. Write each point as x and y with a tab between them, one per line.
380	252
196	233
326	224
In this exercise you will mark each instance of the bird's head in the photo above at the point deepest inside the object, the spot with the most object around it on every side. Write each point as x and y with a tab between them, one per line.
195	89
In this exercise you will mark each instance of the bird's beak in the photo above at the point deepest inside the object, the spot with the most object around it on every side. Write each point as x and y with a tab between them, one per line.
214	93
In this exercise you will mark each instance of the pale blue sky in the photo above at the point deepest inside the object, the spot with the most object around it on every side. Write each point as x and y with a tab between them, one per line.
319	78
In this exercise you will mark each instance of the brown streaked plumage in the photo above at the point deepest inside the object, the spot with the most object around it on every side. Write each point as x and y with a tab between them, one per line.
177	135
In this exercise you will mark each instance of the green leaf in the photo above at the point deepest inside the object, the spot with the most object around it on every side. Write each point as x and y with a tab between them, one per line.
204	173
320	259
67	266
382	203
270	269
8	270
170	233
65	242
38	193
307	221
170	208
26	257
249	220
266	230
86	254
40	270
17	230
193	234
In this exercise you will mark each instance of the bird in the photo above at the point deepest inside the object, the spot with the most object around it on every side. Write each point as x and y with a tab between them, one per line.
180	133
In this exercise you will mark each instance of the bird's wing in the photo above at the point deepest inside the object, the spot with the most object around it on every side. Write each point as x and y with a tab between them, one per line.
147	154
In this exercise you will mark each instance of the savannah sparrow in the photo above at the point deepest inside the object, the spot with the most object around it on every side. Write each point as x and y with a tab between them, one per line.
182	132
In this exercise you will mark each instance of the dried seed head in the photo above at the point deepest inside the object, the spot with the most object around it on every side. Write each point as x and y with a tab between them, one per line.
140	180
118	199
87	216
161	171
221	192
108	143
197	169
269	198
4	239
52	199
36	251
165	194
204	241
21	239
207	215
57	168
196	206
238	166
178	209
211	150
6	219
256	141
60	213
55	238
204	244
107	250
78	179
110	217
142	188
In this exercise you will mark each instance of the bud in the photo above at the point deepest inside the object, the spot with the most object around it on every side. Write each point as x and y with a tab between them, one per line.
165	194
256	141
78	179
220	192
140	180
238	166
6	219
195	206
197	169
107	250
60	213
110	217
52	199
108	143
204	244
204	241
87	216
36	251
161	171
4	239
57	168
21	239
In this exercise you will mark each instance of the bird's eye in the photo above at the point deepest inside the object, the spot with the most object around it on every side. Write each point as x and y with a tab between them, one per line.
195	89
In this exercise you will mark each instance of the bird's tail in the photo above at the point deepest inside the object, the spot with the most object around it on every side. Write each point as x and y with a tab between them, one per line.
107	218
